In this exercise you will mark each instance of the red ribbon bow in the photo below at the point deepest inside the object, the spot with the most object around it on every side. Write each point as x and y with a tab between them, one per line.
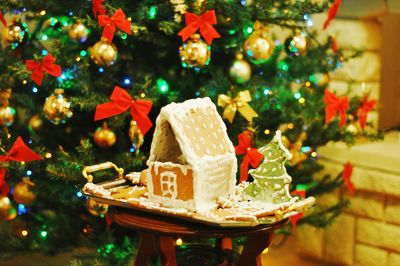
347	173
332	13
97	7
366	106
204	23
295	218
118	20
334	104
121	101
19	152
38	68
2	19
251	155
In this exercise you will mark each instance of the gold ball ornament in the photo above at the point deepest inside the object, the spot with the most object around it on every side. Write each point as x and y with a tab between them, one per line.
195	52
7	114
95	208
258	46
104	137
23	192
57	107
297	44
78	32
320	79
14	34
103	53
7	211
240	70
135	135
35	123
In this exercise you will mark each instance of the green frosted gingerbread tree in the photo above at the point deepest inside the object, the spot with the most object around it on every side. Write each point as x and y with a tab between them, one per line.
271	181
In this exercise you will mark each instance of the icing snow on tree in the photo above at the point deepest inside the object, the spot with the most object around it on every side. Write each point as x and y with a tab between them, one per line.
271	181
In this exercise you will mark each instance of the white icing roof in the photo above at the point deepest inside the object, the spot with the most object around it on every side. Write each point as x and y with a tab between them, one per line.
198	128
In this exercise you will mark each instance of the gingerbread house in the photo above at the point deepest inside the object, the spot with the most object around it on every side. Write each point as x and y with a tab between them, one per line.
192	160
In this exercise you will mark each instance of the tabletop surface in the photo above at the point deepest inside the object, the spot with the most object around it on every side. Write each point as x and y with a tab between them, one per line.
172	226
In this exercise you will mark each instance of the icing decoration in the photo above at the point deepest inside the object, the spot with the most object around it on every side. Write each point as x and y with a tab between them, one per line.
251	155
19	152
97	7
271	181
334	104
239	103
347	173
121	101
366	106
38	68
118	20
203	23
332	13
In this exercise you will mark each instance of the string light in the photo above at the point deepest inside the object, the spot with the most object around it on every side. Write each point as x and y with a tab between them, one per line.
308	84
302	100
79	194
314	154
29	172
44	52
24	233
101	70
43	12
24	81
44	37
267	131
34	89
297	95
48	155
162	85
179	242
83	53
127	81
43	233
152	12
290	126
22	209
142	95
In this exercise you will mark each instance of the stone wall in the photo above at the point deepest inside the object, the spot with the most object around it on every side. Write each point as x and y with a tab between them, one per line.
368	233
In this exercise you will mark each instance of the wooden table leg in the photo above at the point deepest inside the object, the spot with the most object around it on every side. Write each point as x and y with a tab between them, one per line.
148	250
254	245
167	251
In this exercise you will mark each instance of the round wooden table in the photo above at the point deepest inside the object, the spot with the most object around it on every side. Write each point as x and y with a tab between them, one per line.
158	234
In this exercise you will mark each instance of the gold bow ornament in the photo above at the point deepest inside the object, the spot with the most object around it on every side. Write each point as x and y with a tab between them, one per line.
295	148
239	103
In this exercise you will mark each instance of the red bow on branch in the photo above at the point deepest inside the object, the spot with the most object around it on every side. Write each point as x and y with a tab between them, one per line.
118	20
334	104
251	155
347	173
19	152
204	23
97	7
2	19
332	13
366	106
295	218
121	101
38	68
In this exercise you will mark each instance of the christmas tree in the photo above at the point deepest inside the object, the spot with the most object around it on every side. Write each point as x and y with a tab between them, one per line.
83	81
